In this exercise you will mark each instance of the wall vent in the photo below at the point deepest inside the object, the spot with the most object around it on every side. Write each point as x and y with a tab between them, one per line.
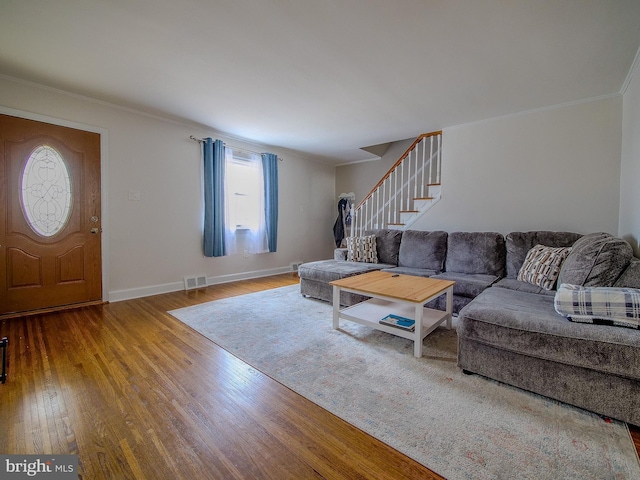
199	281
294	266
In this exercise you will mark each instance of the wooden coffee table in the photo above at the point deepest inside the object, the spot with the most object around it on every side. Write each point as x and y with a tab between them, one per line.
403	295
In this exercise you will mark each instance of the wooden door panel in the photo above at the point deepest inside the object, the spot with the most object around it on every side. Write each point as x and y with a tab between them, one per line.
25	270
70	266
44	269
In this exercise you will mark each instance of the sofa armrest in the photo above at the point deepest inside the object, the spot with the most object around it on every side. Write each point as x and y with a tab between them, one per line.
340	254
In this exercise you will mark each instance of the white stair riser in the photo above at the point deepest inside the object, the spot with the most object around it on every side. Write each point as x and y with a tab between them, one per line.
422	204
407	216
434	190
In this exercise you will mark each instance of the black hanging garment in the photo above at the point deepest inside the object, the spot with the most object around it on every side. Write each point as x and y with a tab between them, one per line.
344	218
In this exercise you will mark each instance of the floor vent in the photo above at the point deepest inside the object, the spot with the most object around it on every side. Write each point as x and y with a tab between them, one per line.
199	281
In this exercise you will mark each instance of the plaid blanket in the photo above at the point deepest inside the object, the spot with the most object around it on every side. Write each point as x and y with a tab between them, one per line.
600	305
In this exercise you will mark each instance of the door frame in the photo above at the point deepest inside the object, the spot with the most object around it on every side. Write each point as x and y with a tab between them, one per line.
104	180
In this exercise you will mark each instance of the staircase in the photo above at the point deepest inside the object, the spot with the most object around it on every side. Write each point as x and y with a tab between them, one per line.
406	192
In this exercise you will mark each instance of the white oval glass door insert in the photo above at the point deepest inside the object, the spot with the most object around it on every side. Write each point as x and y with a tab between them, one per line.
46	191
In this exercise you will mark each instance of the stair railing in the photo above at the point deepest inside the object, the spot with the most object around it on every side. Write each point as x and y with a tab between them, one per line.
406	181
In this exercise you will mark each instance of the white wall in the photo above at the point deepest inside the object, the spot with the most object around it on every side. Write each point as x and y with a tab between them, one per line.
630	166
154	242
552	169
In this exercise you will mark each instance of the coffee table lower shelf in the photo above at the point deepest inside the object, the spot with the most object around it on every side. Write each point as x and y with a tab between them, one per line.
371	311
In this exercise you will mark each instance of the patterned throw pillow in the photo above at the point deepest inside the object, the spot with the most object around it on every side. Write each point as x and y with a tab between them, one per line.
362	249
614	306
542	264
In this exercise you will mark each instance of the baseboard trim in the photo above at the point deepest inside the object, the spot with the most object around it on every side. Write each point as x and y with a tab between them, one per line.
234	277
140	292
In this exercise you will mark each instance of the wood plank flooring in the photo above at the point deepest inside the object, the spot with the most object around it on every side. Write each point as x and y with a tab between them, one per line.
139	395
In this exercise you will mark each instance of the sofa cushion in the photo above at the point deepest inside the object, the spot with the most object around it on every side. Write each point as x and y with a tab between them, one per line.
440	303
362	249
340	254
542	265
631	276
528	324
475	252
514	284
602	305
387	244
416	272
518	245
329	270
596	260
426	250
468	284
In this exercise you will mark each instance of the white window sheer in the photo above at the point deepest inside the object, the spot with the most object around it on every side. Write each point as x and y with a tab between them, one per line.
245	226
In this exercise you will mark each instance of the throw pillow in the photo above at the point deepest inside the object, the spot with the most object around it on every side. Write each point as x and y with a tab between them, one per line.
518	245
596	260
542	265
362	249
614	306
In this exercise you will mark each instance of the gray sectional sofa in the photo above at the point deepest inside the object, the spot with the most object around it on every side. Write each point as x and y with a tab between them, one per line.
508	329
474	260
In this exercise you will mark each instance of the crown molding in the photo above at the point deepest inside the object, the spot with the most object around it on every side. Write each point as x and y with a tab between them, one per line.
534	110
632	70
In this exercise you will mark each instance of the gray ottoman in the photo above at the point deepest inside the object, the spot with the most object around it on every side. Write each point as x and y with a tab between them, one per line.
315	278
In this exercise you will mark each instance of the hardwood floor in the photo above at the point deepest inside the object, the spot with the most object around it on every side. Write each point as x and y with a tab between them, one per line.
137	394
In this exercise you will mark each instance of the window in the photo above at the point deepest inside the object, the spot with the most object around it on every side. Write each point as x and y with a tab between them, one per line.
240	200
245	216
46	191
243	191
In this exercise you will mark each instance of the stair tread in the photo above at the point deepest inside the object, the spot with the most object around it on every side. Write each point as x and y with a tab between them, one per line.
409	211
423	198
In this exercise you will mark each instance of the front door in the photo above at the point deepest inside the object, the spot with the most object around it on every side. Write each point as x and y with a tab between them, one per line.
50	245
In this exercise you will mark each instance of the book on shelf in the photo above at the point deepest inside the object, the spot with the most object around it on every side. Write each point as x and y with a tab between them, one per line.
400	322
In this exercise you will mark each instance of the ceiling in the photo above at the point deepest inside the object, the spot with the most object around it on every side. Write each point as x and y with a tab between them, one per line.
324	77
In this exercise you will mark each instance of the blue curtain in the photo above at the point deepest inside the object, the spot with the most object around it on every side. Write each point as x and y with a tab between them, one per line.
270	171
213	240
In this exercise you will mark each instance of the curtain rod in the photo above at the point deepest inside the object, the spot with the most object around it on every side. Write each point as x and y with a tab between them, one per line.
201	140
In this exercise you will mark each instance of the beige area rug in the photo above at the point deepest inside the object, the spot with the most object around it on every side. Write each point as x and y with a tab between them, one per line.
460	426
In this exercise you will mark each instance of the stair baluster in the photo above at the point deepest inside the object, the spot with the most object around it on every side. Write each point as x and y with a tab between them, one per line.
382	206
